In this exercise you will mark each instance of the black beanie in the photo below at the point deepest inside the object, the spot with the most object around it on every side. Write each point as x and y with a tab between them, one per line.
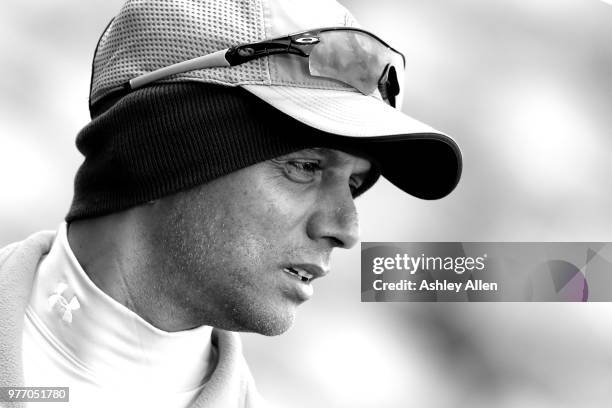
166	138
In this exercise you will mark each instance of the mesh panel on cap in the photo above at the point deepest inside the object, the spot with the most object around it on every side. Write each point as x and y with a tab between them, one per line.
150	34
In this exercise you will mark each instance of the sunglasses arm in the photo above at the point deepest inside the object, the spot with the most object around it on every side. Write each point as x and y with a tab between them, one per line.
247	52
216	59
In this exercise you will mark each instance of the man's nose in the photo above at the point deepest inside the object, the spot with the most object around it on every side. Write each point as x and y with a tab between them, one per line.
335	219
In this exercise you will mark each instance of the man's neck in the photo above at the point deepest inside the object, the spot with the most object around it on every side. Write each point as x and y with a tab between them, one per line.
113	251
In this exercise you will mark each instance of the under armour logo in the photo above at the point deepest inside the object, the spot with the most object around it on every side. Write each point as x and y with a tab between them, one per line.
61	305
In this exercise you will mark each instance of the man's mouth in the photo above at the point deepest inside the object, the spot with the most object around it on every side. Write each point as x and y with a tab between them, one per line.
298	273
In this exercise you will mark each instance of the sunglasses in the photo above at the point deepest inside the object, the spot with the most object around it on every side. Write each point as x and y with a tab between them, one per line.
349	55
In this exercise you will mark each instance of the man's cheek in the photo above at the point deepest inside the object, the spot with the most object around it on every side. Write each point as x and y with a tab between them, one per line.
265	215
256	248
286	214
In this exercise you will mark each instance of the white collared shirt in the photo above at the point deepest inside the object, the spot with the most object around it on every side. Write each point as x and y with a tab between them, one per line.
77	336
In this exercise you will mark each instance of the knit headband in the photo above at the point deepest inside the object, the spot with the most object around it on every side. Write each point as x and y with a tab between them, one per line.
171	137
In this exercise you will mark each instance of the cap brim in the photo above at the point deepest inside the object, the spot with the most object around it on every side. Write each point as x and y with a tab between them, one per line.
412	155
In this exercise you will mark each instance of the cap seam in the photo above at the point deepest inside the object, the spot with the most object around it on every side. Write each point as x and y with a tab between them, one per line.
254	82
268	76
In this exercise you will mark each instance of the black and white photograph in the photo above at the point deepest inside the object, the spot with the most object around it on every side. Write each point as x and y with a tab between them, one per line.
202	201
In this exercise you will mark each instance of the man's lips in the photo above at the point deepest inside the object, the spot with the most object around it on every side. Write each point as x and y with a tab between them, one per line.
305	272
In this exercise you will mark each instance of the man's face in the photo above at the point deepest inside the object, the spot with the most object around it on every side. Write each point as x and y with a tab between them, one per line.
228	253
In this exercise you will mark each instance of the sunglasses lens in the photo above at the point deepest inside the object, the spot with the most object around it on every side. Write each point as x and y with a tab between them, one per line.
355	58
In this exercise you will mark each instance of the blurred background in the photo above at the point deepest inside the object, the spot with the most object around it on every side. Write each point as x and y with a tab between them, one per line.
525	87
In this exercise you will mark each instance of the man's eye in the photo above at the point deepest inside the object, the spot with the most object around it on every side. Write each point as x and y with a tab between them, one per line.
354	186
302	171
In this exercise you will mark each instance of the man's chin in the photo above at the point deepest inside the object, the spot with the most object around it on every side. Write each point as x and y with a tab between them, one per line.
274	330
272	323
275	327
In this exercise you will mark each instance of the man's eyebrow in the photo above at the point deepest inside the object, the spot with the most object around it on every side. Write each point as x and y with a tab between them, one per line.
321	151
331	153
337	156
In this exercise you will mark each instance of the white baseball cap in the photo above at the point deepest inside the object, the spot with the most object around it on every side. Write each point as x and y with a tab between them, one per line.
148	35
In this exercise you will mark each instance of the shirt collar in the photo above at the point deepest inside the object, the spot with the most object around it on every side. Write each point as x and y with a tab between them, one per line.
108	339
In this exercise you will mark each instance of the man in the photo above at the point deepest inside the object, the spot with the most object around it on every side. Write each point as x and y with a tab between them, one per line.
227	144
